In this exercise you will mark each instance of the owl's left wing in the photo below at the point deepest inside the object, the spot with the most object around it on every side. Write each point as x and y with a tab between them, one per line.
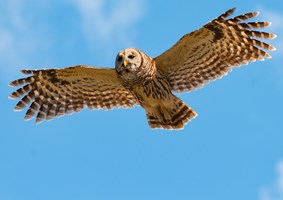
50	93
210	52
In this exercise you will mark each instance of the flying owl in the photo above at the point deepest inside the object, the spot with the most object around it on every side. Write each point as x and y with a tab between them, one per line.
196	59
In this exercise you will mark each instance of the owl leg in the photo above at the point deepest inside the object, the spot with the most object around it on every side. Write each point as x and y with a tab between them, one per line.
170	114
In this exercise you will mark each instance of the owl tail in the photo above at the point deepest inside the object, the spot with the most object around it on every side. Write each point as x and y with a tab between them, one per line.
173	114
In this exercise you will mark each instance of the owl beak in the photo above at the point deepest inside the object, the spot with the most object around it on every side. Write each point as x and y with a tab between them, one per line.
125	64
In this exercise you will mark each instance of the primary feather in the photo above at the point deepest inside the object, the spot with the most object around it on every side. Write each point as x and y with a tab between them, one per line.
212	51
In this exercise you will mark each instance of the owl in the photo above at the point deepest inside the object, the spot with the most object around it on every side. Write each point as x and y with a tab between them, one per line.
196	59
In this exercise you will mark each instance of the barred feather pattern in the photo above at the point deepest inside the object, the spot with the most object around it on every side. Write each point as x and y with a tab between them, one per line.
52	93
196	59
212	51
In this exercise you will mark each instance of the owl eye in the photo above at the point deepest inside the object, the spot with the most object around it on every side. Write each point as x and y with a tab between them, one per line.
131	56
119	59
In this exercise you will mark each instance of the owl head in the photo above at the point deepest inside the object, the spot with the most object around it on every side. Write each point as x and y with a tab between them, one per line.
133	66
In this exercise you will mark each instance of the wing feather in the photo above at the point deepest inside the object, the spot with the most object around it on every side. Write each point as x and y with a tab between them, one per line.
210	52
51	93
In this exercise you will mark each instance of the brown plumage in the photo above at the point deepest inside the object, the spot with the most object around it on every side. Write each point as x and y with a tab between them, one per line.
196	59
55	92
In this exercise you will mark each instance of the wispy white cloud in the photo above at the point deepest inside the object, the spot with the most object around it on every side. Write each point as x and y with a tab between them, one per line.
275	190
110	22
20	35
280	178
276	18
28	34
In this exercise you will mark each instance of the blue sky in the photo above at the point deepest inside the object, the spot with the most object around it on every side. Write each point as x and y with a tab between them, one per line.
232	150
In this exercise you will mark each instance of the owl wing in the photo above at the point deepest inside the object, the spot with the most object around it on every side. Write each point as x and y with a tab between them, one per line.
50	93
210	52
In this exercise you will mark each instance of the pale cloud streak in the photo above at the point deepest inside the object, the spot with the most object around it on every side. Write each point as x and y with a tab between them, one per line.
27	35
276	18
21	35
275	190
111	26
280	179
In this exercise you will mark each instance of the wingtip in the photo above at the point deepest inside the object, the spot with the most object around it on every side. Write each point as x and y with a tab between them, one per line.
38	121
226	14
24	71
18	109
234	8
272	48
28	71
13	83
273	36
11	96
28	117
231	11
268	56
256	13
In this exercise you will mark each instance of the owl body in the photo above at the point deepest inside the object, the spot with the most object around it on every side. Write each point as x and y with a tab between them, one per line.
152	90
163	109
196	59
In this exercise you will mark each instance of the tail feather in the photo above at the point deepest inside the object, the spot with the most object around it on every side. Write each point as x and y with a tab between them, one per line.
172	115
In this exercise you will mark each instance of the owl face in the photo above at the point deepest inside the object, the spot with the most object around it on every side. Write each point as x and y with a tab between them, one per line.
128	62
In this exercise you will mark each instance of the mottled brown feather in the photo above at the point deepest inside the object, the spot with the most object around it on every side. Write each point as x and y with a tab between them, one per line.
51	93
196	59
210	52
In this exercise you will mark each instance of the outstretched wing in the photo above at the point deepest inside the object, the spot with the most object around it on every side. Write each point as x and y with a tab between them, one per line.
51	93
210	52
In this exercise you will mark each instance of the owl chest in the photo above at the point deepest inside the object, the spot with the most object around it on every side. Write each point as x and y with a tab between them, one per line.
151	93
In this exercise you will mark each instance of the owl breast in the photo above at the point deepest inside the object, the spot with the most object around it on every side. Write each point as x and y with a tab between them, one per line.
153	91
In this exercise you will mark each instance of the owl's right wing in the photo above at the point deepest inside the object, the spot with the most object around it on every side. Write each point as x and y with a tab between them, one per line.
50	93
210	52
